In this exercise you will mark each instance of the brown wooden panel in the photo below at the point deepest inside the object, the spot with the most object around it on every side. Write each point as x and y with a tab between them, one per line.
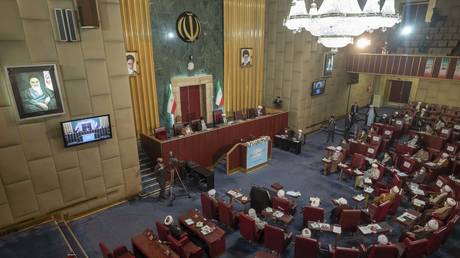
408	65
415	66
367	63
421	67
389	64
451	70
437	66
402	65
355	63
361	60
395	66
383	63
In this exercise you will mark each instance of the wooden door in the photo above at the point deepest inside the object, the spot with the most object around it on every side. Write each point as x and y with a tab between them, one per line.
400	91
190	103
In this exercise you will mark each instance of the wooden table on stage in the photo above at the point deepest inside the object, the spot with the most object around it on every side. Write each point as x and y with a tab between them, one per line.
214	241
144	247
285	219
205	148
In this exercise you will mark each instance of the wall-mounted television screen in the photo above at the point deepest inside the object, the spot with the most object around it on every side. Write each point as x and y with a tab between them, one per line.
318	87
86	130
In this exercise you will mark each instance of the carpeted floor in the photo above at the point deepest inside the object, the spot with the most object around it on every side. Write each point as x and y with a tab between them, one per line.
117	225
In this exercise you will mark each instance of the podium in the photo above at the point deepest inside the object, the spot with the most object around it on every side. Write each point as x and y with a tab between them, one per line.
250	155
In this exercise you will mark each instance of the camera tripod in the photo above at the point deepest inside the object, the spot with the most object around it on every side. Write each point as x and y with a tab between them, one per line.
174	172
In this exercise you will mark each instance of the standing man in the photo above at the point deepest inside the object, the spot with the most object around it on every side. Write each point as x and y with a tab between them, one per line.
354	109
331	129
348	125
160	173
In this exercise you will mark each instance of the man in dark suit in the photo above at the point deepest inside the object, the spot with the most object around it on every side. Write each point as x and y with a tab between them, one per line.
354	109
348	125
175	231
160	173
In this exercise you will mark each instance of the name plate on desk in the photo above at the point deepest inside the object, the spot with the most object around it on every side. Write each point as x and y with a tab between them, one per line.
257	154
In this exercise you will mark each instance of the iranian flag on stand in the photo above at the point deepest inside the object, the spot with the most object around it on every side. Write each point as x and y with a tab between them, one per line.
171	102
219	95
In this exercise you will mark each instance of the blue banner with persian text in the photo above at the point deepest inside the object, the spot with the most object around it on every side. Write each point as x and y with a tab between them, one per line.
257	154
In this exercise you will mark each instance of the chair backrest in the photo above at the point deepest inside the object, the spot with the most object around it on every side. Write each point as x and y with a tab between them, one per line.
260	198
281	204
238	115
251	113
217	117
343	252
226	213
383	251
450	227
350	219
105	251
161	134
247	227
406	165
274	238
163	231
306	247
207	206
414	249
357	161
396	181
176	246
435	240
312	214
382	211
120	251
178	128
395	205
451	148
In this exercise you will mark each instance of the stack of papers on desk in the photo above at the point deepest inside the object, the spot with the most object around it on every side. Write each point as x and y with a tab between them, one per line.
189	222
369	190
359	197
418	191
326	160
337	230
358	172
431	164
406	216
418	202
367	180
278	214
293	194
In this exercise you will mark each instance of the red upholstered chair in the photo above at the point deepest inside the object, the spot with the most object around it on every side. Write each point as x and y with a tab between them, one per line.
275	240
349	220
161	134
185	248
371	152
122	252
451	227
312	214
227	215
342	252
238	115
208	207
177	127
435	240
162	230
379	213
306	247
380	187
283	204
395	205
383	251
105	251
357	162
414	249
248	228
406	165
451	148
445	133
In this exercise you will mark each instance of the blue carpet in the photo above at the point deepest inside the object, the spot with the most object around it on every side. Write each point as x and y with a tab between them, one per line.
117	225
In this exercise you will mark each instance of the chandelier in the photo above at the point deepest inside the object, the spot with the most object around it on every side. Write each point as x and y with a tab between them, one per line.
336	22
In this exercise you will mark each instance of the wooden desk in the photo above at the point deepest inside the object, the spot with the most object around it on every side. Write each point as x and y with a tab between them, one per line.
144	247
375	228
324	227
287	144
214	241
207	147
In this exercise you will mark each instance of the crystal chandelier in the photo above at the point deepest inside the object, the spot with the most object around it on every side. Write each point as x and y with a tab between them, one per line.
336	22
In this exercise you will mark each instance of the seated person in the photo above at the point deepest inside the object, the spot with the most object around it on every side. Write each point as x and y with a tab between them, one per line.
384	119
420	232
260	224
395	116
384	197
421	155
362	136
442	161
337	211
260	110
420	176
175	230
373	173
202	126
336	158
383	240
282	195
414	142
224	119
441	213
428	129
439	125
306	233
439	198
385	159
407	120
187	130
346	144
423	112
372	132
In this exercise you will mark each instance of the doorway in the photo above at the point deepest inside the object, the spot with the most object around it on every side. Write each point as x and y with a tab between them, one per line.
190	103
400	91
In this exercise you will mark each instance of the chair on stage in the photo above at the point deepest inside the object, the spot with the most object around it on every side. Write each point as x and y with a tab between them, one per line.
177	127
105	251
248	228
414	249
251	113
379	213
185	248
343	252
161	134
312	214
227	215
275	240
238	115
306	247
349	220
208	207
435	240
217	117
283	204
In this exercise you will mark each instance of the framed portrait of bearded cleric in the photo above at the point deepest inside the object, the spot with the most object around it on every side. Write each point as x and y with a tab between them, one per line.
35	90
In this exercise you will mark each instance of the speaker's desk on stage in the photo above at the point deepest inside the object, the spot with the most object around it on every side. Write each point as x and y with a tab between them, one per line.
206	147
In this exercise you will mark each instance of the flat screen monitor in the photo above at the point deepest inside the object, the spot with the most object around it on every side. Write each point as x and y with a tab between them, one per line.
318	87
86	130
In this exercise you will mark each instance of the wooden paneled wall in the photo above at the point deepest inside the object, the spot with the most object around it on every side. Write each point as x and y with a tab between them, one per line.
244	26
138	37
